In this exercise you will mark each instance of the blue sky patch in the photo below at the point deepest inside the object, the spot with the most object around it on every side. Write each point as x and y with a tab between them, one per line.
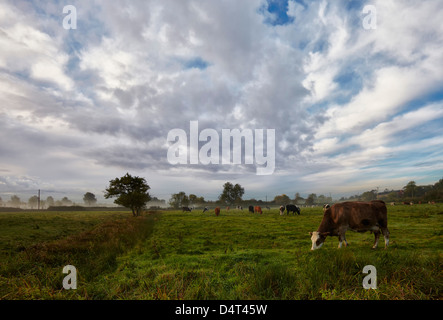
278	9
196	63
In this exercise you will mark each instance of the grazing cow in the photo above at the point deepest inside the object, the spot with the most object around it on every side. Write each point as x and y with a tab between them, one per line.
217	211
227	208
268	208
251	209
292	208
282	210
186	209
205	209
357	216
257	209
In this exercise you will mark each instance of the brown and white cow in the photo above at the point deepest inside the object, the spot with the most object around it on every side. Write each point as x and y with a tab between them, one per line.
356	216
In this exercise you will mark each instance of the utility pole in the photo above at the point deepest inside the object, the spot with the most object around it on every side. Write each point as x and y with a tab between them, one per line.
38	206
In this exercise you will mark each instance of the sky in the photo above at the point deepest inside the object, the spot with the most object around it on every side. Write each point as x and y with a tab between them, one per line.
354	94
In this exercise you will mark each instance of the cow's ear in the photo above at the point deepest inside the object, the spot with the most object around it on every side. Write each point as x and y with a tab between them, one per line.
310	233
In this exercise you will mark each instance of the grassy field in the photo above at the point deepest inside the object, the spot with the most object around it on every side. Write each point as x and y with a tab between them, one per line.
238	255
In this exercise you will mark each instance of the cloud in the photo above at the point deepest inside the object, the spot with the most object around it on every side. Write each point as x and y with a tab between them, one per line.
92	103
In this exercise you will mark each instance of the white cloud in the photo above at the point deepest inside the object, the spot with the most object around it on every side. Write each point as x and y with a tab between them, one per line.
101	100
25	48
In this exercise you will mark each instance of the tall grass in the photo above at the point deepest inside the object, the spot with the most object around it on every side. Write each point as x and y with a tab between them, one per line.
238	255
35	270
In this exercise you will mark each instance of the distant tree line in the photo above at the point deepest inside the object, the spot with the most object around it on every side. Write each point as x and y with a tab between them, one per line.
89	199
132	192
410	192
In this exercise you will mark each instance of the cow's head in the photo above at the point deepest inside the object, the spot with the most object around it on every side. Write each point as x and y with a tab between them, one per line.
318	238
326	207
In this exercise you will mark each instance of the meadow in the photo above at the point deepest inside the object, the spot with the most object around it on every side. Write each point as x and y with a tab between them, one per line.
237	255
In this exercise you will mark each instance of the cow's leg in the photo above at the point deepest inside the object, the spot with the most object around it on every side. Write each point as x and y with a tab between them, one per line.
385	232
341	239
377	236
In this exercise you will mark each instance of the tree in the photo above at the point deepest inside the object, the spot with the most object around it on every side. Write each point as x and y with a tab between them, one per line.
231	194
369	195
283	199
298	199
33	202
311	199
131	192
66	202
192	198
179	200
1	202
15	201
410	189
49	201
89	199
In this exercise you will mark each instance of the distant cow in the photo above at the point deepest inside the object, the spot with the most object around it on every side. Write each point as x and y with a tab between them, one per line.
292	208
357	216
251	209
257	209
282	210
186	209
217	211
205	209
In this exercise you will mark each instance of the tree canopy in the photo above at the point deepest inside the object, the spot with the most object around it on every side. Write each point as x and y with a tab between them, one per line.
89	199
131	192
231	194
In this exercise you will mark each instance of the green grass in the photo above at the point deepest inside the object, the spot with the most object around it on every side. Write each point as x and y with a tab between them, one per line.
238	255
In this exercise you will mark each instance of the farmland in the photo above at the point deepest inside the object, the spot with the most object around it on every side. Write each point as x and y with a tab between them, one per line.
238	255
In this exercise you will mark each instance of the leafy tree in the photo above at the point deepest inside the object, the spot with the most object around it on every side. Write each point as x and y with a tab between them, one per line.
410	189
231	194
66	202
179	200
33	202
192	198
131	192
89	199
15	201
283	199
298	199
369	195
50	201
311	199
